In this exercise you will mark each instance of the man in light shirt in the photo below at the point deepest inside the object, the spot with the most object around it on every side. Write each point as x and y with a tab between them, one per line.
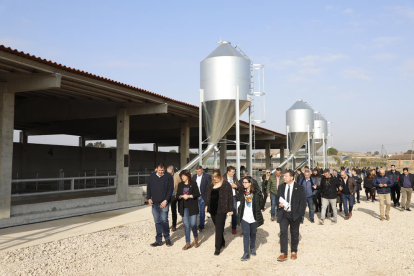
272	187
295	196
202	180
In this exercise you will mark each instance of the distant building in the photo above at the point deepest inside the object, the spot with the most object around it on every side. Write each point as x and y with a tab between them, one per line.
401	161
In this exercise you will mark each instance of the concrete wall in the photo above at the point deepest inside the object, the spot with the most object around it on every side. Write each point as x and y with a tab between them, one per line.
48	159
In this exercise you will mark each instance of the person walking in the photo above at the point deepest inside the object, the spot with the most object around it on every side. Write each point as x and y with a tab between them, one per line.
338	198
230	177
159	191
174	201
317	199
395	189
308	183
249	216
358	180
265	179
202	179
329	189
369	188
291	207
272	187
188	194
348	188
383	184
219	203
406	182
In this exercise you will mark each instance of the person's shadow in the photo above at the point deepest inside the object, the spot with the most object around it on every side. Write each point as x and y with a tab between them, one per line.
370	212
261	237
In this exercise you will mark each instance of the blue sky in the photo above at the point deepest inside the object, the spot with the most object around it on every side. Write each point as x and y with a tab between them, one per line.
351	60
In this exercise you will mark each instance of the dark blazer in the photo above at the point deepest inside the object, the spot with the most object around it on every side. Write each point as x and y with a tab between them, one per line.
225	204
235	181
205	180
192	202
352	185
297	202
401	179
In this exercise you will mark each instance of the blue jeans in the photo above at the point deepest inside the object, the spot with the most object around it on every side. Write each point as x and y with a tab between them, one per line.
190	223
161	222
234	216
202	214
345	200
249	236
309	200
273	204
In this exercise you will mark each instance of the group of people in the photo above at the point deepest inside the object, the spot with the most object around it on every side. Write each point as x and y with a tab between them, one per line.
243	200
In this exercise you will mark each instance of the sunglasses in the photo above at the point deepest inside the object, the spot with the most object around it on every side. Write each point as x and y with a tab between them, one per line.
246	182
267	172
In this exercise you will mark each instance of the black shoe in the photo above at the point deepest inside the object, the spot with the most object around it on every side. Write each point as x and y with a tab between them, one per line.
168	242
245	257
217	252
408	209
223	244
313	221
200	229
358	202
155	244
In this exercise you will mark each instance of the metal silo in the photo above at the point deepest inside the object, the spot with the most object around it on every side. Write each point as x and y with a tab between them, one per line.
223	74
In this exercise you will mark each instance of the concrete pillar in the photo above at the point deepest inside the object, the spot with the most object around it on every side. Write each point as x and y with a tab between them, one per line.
6	148
122	154
223	155
248	159
184	144
23	164
82	144
155	147
282	153
267	154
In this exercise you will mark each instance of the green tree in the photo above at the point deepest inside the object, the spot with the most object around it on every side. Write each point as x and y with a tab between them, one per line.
409	152
174	151
96	145
332	151
376	152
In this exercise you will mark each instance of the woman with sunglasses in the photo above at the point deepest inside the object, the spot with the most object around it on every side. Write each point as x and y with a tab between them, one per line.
249	215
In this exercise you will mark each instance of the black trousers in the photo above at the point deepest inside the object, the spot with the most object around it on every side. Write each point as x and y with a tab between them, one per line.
369	194
264	199
219	220
358	192
284	224
317	201
395	193
174	210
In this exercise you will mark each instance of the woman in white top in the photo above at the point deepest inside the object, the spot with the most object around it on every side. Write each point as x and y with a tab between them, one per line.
249	215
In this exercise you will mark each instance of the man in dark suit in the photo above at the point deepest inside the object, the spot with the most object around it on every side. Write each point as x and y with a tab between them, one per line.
202	180
291	202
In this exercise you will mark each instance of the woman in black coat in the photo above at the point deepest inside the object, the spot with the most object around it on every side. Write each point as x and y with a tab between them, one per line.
249	215
219	203
369	188
187	194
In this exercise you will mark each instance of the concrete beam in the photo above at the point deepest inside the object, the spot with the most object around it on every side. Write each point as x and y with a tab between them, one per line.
243	131
47	110
265	137
184	144
122	154
17	82
282	153
6	148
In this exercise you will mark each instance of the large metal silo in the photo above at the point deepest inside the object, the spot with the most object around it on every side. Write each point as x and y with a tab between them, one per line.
223	73
299	123
320	133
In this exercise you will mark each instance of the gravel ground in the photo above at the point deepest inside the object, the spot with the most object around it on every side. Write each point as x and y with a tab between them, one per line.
362	245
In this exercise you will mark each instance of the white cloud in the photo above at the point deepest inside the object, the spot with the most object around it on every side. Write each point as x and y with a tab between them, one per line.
408	67
384	56
331	58
310	71
329	8
359	74
295	78
385	40
289	62
309	60
348	11
403	11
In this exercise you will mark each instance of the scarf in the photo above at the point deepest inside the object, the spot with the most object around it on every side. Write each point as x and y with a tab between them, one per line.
249	197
